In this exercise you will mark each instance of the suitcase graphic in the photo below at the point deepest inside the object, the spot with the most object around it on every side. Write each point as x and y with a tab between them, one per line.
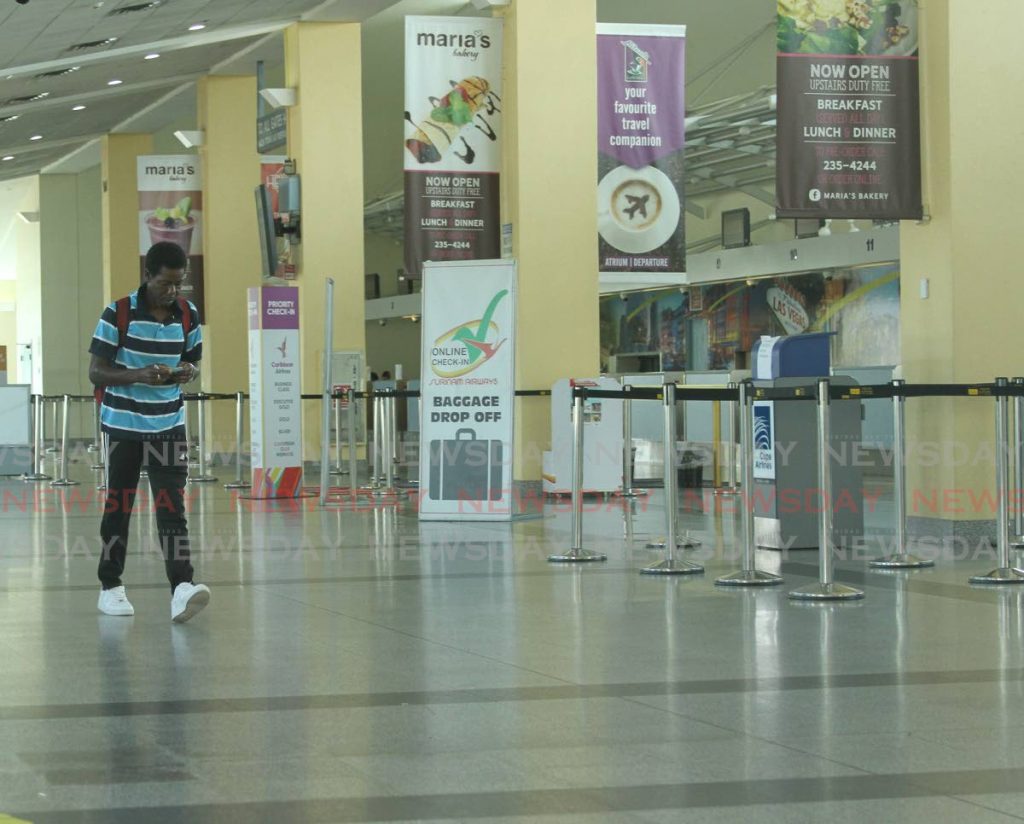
465	469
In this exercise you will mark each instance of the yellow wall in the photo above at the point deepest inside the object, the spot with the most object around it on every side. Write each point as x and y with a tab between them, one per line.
323	60
227	115
70	285
120	209
554	239
969	328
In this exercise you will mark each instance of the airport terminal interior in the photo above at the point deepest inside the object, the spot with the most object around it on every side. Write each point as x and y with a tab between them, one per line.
747	544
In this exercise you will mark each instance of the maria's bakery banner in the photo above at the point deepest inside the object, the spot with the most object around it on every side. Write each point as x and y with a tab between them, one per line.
171	209
452	139
848	109
641	141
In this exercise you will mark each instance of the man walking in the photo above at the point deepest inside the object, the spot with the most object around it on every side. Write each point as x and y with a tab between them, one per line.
145	346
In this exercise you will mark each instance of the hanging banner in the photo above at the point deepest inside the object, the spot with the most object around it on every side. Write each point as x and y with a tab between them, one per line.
452	139
467	390
849	136
275	402
641	140
171	208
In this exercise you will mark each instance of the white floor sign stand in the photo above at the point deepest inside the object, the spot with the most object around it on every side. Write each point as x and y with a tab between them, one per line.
275	404
467	390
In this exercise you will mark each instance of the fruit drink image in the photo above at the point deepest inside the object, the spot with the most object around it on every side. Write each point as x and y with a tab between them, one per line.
175	225
449	116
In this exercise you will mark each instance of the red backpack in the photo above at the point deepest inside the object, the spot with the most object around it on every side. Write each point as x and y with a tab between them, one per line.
123	307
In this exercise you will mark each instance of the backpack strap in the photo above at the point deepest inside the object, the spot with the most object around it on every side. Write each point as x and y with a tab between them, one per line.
186	323
123	307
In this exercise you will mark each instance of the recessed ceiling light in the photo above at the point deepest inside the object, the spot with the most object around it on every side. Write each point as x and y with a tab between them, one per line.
114	82
131	9
152	56
26	98
57	72
197	26
77	108
36	137
92	44
8	157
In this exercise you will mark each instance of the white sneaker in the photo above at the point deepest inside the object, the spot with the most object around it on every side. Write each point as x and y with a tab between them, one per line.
187	600
113	601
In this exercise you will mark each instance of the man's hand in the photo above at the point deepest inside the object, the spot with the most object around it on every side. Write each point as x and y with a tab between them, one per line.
154	375
184	373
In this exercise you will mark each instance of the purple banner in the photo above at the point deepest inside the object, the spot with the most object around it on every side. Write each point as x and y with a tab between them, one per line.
280	308
642	136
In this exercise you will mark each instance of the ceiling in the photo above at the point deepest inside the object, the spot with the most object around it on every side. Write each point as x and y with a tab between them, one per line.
731	51
58	54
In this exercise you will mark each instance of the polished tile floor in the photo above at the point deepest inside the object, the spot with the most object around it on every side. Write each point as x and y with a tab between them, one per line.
357	665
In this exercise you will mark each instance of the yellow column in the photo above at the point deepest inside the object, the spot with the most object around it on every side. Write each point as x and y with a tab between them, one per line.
550	198
968	329
120	207
226	109
325	137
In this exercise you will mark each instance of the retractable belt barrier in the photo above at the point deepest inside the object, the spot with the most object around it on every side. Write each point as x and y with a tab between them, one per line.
823	393
383	451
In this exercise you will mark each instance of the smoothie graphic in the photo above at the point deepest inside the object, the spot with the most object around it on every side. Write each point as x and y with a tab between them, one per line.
173	224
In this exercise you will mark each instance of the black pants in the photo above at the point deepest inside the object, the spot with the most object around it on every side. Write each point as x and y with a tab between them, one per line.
167	464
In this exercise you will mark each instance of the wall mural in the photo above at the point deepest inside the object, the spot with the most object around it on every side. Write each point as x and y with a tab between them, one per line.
714	327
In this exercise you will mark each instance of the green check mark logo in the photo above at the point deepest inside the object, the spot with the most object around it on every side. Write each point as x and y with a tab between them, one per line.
476	342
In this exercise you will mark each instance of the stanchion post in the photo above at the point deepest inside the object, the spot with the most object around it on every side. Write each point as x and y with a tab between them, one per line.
388	413
36	474
55	425
98	435
627	447
682	538
325	403
749	575
900	558
239	482
64	480
826	589
97	442
1018	467
577	554
353	429
377	438
202	477
337	469
671	565
188	432
393	428
1004	573
732	485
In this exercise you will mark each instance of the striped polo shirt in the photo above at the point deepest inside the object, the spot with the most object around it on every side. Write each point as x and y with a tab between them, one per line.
138	411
